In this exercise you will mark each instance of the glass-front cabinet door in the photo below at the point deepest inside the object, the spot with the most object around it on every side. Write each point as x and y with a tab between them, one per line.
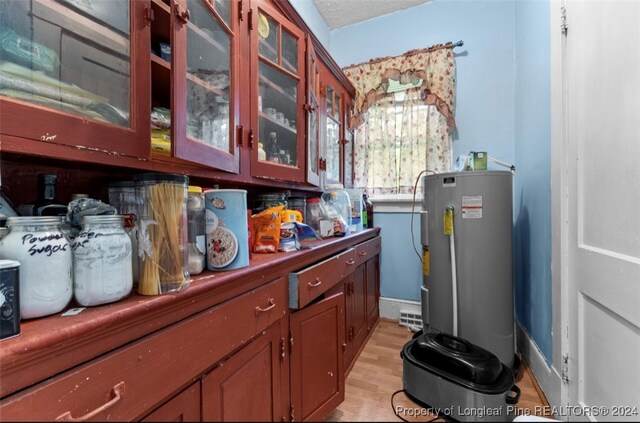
348	142
278	62
333	128
194	72
74	73
312	113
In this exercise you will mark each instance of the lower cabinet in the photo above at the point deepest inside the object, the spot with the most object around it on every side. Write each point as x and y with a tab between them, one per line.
247	386
250	358
356	311
373	290
184	407
317	359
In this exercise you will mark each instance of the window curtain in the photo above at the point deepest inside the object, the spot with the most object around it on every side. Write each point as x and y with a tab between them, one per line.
400	134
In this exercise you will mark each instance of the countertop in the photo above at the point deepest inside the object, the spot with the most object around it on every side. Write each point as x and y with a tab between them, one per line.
50	345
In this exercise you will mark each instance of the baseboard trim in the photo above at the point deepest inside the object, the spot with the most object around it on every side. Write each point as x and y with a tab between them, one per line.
547	377
390	307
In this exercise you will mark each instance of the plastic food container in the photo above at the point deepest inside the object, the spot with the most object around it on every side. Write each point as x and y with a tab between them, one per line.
298	204
337	205
44	253
264	201
226	228
355	196
162	233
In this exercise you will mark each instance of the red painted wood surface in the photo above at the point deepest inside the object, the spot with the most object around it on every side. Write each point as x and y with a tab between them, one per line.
246	387
317	358
184	407
51	345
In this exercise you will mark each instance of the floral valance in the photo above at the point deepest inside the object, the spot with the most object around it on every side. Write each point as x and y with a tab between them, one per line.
434	65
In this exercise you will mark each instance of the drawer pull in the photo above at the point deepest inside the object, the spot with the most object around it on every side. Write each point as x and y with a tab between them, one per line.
362	253
117	391
262	310
318	282
351	261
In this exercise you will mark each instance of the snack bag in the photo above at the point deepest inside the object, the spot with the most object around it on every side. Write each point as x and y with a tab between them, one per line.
290	216
266	228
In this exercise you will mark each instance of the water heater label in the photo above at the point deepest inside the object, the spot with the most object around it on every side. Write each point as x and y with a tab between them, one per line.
449	181
472	206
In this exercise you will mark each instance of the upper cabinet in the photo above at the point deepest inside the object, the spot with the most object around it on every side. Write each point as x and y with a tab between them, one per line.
312	108
195	76
277	100
336	139
74	74
219	88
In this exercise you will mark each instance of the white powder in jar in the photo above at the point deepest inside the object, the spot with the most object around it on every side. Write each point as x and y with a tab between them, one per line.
102	261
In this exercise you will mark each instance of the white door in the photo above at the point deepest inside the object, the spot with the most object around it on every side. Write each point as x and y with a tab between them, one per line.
602	204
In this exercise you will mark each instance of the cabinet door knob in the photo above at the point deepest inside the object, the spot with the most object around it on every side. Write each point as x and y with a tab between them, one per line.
262	310
318	282
117	391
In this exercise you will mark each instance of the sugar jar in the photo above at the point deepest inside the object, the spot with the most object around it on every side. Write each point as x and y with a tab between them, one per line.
44	253
101	261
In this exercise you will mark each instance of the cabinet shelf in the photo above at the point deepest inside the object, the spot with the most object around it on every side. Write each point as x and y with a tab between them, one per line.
208	38
205	84
266	81
274	121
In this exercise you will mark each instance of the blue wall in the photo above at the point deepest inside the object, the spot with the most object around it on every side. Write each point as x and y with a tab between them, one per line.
400	267
503	107
532	187
485	90
314	20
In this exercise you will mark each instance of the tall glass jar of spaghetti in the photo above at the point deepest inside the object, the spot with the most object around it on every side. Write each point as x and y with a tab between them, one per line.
162	233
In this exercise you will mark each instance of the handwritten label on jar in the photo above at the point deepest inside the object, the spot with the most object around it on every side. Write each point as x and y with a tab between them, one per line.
83	238
44	244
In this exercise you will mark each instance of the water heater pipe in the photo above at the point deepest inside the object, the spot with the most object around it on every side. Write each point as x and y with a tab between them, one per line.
454	276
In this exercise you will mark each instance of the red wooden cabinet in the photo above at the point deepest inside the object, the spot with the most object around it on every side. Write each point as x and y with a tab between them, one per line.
277	136
199	82
247	386
317	359
75	77
184	407
312	108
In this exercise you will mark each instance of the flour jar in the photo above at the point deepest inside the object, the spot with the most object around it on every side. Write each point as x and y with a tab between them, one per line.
44	253
102	270
227	230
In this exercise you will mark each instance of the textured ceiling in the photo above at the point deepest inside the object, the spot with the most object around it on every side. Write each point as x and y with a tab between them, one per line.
338	13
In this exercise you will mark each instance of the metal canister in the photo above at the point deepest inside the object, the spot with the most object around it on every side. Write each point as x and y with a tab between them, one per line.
9	298
226	226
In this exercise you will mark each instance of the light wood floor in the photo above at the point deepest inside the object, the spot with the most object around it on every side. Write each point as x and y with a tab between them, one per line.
377	374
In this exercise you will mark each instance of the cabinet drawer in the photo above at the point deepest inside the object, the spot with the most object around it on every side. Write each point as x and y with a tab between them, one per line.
307	284
368	249
126	383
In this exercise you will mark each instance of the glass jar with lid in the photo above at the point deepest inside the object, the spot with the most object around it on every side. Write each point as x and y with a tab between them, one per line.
102	261
123	196
197	237
162	233
44	253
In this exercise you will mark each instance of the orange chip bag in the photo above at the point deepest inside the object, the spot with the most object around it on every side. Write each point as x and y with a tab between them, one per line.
266	229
